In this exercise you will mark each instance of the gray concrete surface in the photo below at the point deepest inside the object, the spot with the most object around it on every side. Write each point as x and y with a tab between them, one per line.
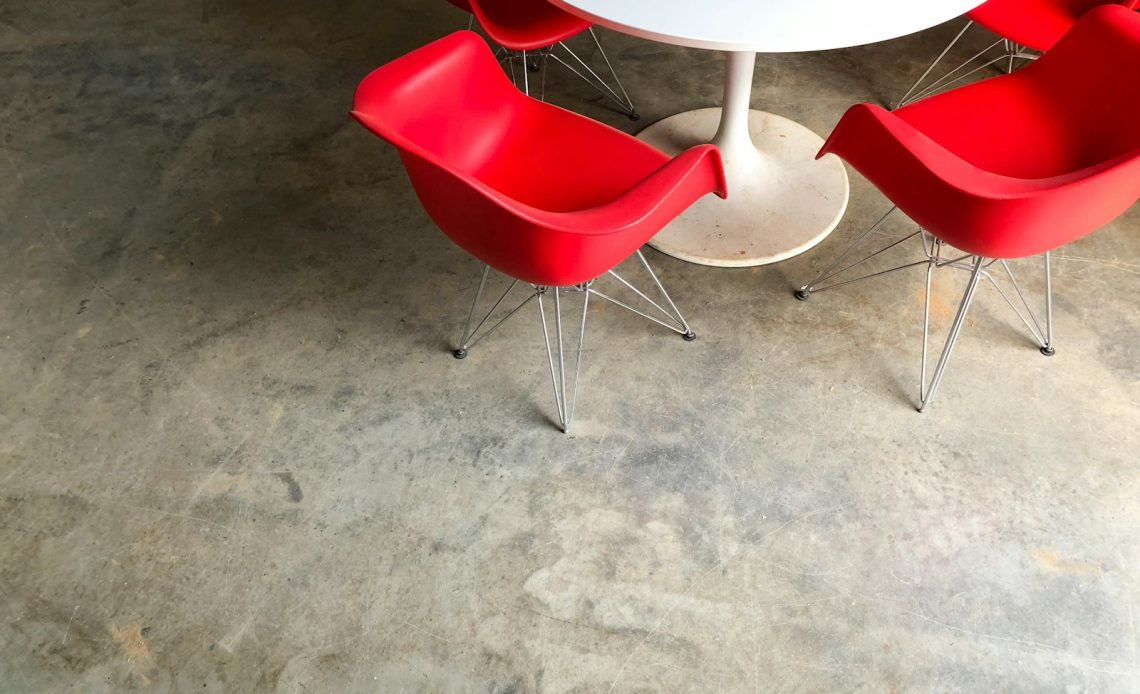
235	454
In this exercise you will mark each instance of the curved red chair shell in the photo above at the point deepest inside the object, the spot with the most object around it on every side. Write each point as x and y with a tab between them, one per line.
1018	164
1036	24
537	192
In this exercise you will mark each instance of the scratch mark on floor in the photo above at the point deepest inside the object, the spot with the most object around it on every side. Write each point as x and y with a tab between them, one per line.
1113	264
1063	657
67	632
417	629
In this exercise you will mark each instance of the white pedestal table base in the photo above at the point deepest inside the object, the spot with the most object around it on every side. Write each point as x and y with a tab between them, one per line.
781	200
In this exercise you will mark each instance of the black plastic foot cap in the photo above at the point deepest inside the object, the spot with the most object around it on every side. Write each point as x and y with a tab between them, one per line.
689	336
459	354
635	116
1048	351
803	294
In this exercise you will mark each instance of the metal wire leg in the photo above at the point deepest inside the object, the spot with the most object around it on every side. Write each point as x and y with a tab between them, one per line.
510	58
820	283
463	340
926	395
954	77
904	99
587	75
469	338
688	335
1015	52
531	62
672	320
566	393
633	114
1047	349
543	58
930	266
1009	53
564	401
1043	337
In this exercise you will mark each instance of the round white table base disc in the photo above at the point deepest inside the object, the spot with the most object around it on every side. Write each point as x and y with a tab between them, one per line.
781	200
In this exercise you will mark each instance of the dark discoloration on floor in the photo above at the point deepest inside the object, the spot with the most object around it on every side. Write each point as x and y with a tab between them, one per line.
295	494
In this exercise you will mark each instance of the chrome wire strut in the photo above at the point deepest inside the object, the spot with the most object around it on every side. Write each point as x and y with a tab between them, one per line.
979	267
536	61
563	376
1009	52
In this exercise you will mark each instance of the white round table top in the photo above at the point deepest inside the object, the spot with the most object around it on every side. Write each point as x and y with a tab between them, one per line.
768	26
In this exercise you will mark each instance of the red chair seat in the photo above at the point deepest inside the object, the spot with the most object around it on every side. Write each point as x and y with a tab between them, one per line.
599	166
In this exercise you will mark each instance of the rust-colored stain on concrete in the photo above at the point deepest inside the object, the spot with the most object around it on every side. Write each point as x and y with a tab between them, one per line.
1053	562
940	309
945	297
133	646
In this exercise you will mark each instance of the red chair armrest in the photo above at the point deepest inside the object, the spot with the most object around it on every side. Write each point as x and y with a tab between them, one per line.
656	199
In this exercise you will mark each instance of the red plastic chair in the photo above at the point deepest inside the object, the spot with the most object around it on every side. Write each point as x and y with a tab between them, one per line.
548	197
1022	26
531	31
1009	167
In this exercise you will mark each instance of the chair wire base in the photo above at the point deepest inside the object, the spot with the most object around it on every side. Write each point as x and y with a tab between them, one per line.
979	267
536	61
566	384
1009	52
470	337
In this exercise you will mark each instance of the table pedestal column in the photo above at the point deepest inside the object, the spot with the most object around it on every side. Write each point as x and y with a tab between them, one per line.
781	200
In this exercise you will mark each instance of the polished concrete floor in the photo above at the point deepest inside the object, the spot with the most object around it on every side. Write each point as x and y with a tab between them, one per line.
236	454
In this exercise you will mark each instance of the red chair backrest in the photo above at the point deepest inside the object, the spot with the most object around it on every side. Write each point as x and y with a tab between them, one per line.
1091	88
491	166
446	107
441	101
1076	106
